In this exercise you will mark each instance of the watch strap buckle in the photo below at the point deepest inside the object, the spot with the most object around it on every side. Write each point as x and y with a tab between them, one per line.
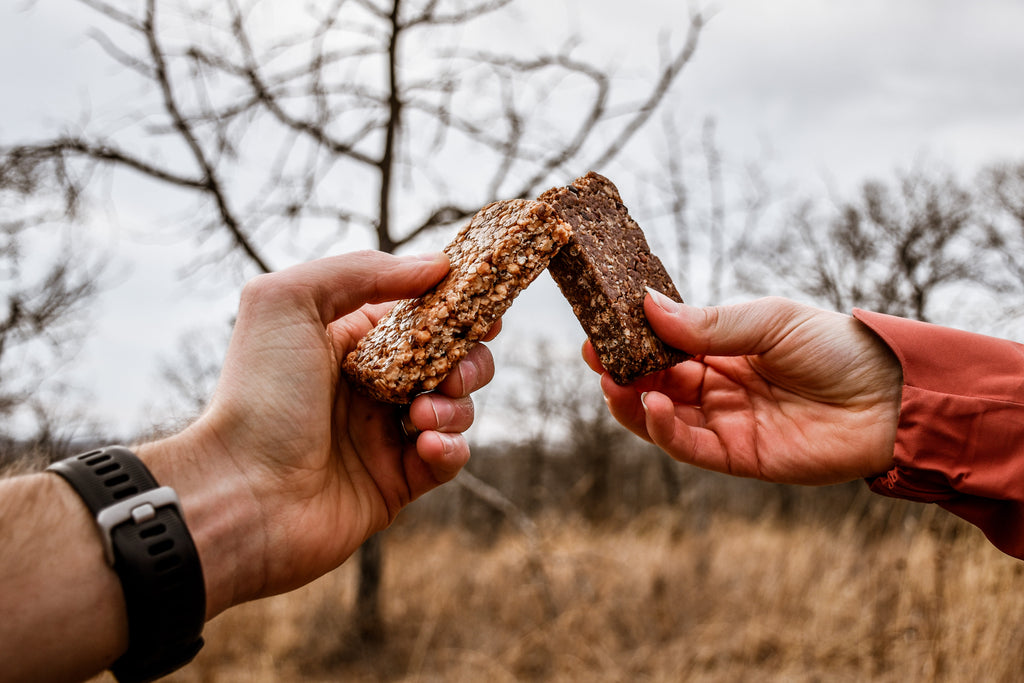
138	509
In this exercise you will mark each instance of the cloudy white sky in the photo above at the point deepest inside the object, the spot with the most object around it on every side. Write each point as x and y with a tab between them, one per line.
846	89
858	87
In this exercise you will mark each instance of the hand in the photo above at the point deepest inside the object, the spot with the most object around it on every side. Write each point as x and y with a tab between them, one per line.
305	467
778	391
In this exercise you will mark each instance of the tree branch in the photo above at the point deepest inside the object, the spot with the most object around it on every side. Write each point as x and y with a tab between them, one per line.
211	183
668	75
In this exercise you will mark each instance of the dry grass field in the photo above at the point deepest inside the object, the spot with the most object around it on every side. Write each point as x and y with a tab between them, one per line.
649	599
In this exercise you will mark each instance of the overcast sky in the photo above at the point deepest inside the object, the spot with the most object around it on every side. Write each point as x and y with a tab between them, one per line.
848	89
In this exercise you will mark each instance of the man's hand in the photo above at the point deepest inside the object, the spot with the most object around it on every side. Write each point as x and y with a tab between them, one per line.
777	391
307	467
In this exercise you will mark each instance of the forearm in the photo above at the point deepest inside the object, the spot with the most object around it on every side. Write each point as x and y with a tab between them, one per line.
62	606
63	609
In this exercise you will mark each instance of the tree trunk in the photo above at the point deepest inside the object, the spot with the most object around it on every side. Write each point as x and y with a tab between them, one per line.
369	625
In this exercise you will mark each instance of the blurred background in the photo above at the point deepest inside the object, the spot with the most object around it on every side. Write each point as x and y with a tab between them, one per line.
156	154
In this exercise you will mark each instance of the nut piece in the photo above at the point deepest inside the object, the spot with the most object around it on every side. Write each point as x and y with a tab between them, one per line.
411	349
604	271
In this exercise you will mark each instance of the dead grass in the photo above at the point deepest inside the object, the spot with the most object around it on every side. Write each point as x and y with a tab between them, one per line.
647	601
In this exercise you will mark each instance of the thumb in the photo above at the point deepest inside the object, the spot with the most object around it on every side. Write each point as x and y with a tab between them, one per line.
342	284
735	330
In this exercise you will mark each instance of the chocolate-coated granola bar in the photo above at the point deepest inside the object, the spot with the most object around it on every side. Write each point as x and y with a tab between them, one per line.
603	272
502	249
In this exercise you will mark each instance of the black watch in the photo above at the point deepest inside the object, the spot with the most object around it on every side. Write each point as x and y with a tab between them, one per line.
147	543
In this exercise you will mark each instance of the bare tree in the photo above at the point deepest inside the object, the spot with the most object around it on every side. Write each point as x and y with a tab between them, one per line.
298	139
387	118
1001	190
704	208
557	407
192	373
47	282
891	249
716	213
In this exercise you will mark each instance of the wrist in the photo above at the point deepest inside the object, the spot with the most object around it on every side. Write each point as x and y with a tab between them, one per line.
220	511
146	542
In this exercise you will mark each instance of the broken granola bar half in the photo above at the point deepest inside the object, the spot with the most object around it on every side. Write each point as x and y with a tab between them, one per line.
604	271
411	349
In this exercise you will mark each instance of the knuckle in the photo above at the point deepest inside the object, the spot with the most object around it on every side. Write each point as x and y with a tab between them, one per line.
272	288
255	288
712	317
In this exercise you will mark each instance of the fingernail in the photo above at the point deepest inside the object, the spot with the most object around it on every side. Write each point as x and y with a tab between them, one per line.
409	430
466	370
662	301
437	418
643	400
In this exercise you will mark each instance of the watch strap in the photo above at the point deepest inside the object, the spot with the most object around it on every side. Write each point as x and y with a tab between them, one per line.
148	544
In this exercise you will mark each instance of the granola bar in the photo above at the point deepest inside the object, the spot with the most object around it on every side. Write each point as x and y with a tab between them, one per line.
411	349
603	272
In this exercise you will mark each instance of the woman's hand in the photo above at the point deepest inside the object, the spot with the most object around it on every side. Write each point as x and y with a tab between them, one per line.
777	390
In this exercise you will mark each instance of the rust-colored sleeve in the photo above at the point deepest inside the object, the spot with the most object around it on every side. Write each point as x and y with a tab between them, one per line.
960	442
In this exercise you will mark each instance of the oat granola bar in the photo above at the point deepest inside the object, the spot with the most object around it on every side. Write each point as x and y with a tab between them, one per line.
502	249
603	272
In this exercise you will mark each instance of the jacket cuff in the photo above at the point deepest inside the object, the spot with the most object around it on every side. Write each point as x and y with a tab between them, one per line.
960	439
